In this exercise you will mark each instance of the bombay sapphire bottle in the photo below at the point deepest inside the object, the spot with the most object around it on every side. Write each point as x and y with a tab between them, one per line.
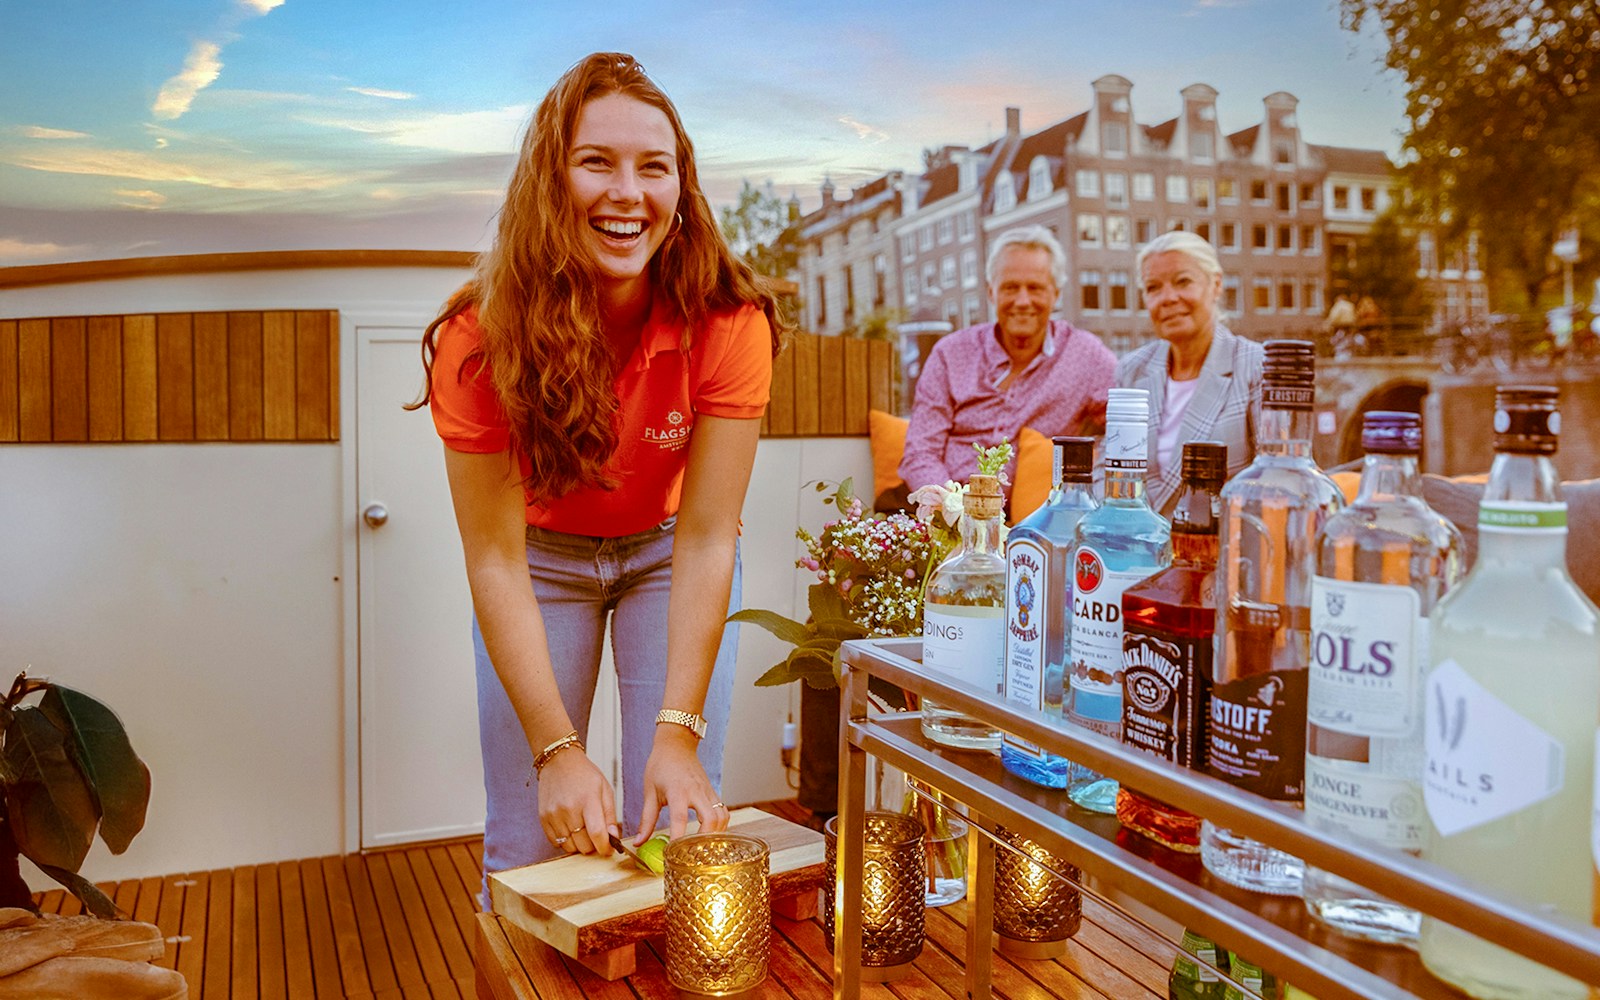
1038	603
1116	545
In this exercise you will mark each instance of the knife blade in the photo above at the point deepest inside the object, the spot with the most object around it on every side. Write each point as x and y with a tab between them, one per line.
618	845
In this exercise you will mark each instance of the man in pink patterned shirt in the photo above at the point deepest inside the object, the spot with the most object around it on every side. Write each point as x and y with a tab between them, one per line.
983	384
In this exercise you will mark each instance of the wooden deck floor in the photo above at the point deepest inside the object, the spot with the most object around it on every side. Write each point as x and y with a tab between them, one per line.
401	924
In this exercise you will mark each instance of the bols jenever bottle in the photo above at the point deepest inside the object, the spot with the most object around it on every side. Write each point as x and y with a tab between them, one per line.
1118	544
1510	713
963	618
1168	623
1382	564
1271	513
1039	607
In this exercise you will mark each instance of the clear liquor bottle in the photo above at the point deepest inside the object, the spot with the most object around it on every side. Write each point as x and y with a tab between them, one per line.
963	618
1168	624
1382	564
1116	545
1271	513
1038	607
1511	701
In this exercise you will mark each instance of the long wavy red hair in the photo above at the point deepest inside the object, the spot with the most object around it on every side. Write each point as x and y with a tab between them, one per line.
536	290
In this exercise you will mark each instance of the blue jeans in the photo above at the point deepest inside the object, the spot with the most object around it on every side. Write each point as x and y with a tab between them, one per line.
580	580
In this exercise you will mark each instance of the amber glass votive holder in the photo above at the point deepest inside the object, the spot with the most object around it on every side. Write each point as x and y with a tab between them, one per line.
893	892
718	914
1035	910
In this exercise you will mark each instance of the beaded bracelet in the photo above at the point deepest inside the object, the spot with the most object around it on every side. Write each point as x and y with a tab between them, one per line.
569	740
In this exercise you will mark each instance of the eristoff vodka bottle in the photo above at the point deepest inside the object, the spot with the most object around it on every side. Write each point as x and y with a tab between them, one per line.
1382	564
1509	728
963	618
1116	545
1039	607
1271	513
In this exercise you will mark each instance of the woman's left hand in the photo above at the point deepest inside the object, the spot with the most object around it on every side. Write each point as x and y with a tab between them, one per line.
674	778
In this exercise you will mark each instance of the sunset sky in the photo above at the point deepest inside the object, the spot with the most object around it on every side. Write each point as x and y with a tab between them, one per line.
192	126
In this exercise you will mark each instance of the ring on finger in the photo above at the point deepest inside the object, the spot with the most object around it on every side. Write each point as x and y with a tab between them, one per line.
560	842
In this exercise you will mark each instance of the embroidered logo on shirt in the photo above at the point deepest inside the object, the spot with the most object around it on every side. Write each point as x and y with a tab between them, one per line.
673	436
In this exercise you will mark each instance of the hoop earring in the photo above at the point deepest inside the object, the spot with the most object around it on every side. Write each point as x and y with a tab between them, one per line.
678	226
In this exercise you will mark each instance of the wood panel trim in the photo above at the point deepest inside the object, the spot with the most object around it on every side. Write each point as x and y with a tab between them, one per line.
825	386
170	377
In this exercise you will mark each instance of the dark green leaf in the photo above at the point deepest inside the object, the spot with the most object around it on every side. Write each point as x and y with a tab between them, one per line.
824	602
118	779
93	899
840	628
49	805
787	629
844	495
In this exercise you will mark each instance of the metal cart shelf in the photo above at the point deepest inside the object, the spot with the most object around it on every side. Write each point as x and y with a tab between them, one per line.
1275	931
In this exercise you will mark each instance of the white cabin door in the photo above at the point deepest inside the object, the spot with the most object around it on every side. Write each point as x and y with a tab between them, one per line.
421	774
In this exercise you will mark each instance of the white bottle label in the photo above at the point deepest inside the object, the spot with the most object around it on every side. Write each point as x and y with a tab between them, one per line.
1364	657
964	643
1361	800
1485	759
1096	669
1025	624
1594	822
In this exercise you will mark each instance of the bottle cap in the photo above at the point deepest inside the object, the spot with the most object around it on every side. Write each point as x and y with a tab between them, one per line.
984	498
1205	463
1391	432
1526	420
1128	406
1076	455
1288	374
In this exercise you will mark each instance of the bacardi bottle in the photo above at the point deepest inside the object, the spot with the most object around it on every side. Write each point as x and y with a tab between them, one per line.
1116	545
1382	564
1511	701
963	618
1039	607
1168	622
1271	513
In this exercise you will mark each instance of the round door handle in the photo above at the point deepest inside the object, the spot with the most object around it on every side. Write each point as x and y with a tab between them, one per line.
376	515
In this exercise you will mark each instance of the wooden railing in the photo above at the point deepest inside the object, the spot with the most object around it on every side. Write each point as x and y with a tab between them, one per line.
823	386
171	377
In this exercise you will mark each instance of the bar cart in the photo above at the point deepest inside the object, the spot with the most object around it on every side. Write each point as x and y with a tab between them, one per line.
1275	931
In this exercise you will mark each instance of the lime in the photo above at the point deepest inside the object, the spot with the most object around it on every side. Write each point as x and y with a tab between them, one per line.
652	853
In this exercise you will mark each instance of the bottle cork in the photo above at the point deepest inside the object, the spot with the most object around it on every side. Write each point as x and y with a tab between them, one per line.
984	498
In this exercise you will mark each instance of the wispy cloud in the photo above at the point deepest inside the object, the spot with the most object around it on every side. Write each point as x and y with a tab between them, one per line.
240	175
493	131
392	95
1201	6
864	131
41	132
141	199
260	6
11	249
200	70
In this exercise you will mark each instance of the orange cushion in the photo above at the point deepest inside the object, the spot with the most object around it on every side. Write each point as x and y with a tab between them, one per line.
1035	465
886	434
1349	483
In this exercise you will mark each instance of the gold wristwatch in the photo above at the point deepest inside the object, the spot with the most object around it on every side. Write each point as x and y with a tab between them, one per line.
688	720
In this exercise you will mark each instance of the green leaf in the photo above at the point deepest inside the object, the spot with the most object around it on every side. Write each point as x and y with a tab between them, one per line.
787	629
96	901
839	629
118	779
50	808
845	494
824	602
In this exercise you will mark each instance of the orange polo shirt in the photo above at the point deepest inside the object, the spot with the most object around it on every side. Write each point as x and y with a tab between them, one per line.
726	373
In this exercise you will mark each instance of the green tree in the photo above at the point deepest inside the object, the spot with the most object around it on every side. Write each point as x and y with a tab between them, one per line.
1503	117
763	230
1384	266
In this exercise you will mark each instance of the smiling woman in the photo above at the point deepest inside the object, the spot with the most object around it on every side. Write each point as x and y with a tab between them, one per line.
599	387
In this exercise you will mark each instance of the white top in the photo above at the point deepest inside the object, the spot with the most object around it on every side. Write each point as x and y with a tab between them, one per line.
1172	410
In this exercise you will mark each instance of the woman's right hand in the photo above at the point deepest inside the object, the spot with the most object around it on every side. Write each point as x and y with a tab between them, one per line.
577	808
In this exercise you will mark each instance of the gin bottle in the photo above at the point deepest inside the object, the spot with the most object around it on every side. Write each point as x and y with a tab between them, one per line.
1382	564
963	618
1038	603
1168	622
1511	700
1271	513
1116	545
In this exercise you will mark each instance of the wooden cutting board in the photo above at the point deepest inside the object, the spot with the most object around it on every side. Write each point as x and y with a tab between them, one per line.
585	905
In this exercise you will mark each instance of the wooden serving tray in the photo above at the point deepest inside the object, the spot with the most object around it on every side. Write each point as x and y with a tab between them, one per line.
594	909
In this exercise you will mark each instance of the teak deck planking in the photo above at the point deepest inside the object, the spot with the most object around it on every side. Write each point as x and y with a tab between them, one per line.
402	924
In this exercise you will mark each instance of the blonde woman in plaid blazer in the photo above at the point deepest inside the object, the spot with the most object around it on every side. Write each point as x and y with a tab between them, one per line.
1204	381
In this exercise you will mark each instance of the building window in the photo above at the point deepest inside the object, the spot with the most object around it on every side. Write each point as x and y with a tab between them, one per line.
1144	186
1286	296
1308	194
1176	225
1310	240
844	235
1089	229
1472	252
1202	193
952	313
1341	197
908	285
972	309
1038	178
1114	135
1202	146
1005	193
1228	190
1203	230
1118	286
880	281
1088	183
947	271
1230	236
1117	190
1284	193
930	277
1117	231
1177	188
849	295
1452	299
1286	239
1427	253
1089	288
1262	297
1369	199
908	247
1311	297
1478	299
1230	294
964	226
1283	152
1144	230
1258	238
1258	191
969	268
947	230
925	238
822	302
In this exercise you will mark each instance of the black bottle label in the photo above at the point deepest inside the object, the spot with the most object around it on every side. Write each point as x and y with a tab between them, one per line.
1256	734
1166	679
